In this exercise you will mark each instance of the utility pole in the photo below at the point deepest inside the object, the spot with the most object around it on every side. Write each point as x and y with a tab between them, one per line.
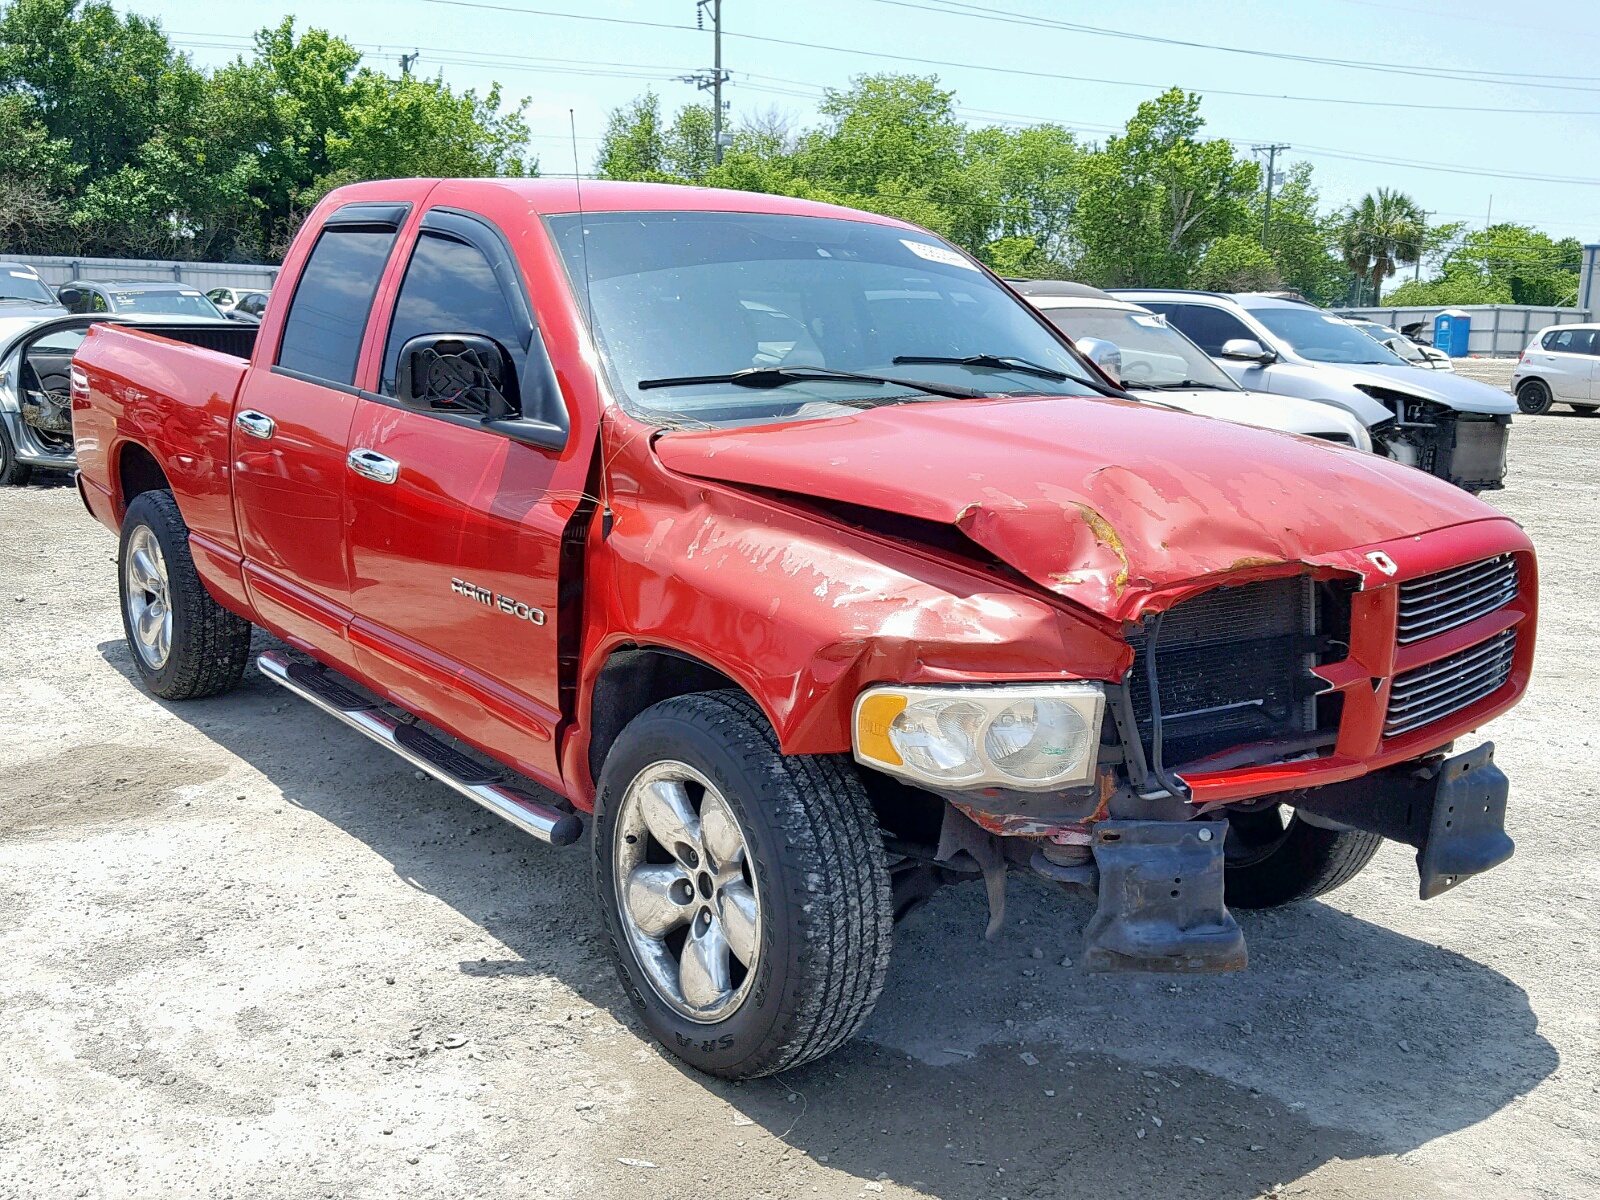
407	61
712	80
1272	162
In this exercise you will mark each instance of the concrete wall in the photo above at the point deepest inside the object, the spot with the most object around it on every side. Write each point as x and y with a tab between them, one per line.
1497	329
58	269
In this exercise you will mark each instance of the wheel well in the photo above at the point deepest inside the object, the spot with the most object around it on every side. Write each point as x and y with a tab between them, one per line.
1531	379
138	471
633	679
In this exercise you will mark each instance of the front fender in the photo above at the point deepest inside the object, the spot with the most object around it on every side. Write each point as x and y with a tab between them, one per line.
804	613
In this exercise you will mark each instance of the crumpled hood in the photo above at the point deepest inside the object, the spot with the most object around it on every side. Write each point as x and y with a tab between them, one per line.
1445	387
1105	502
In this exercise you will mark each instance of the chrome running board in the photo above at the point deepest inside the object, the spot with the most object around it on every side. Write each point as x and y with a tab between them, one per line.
329	692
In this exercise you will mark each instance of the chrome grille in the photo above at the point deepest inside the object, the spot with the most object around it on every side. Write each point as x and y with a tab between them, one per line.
1430	693
1436	603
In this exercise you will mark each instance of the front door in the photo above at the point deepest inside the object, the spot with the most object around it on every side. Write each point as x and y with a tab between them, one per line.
290	429
455	530
1566	362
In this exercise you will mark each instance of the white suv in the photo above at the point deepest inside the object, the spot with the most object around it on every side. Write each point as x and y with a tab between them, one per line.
1446	424
1560	366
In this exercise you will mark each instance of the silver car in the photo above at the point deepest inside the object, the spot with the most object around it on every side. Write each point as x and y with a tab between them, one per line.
1155	362
1560	366
1443	423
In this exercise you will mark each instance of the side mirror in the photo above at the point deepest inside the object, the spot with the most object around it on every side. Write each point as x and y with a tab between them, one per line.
70	297
459	373
1103	354
1248	350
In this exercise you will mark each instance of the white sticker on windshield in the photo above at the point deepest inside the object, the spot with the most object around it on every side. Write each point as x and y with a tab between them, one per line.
22	274
187	292
1148	320
938	254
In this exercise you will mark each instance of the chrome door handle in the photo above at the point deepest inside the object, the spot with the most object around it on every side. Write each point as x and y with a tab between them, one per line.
257	425
374	466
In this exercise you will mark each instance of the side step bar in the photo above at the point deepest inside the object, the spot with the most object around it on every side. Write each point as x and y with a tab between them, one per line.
327	691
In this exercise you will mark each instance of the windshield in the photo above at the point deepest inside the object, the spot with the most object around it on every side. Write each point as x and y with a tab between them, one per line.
1154	355
1317	335
678	294
19	283
1391	338
186	304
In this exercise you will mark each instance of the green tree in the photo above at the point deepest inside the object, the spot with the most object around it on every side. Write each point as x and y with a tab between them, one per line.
1384	230
1236	262
1300	239
1022	187
634	143
1156	195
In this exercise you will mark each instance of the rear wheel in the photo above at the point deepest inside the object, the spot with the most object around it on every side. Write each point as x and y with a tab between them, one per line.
1272	857
744	889
185	645
1534	397
12	472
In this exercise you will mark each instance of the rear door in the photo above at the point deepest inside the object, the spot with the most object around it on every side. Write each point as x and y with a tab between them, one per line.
455	520
290	432
1211	328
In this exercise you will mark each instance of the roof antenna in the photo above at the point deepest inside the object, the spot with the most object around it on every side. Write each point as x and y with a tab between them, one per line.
607	518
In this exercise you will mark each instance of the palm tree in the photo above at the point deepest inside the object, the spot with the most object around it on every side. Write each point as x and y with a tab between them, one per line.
1381	232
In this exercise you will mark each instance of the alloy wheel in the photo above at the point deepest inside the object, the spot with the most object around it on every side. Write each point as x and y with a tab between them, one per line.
149	598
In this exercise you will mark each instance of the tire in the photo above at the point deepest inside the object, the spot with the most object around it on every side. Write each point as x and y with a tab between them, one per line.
12	472
1534	397
1269	863
1586	410
809	866
185	645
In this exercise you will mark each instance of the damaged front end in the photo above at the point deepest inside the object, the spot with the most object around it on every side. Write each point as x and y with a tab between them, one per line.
1320	692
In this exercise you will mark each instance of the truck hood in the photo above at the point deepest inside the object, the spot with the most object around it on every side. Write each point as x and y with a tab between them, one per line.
1288	413
1443	387
1113	505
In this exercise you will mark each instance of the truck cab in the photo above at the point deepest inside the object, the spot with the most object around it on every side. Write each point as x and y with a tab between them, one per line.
792	556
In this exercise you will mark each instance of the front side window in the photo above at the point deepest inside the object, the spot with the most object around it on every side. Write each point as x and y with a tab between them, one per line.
322	333
695	294
1322	337
450	288
1154	355
22	283
1207	327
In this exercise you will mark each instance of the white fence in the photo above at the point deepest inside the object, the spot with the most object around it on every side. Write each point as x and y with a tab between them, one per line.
1497	329
56	269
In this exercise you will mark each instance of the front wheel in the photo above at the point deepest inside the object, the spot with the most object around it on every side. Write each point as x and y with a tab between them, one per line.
185	645
1273	857
12	472
1534	397
744	890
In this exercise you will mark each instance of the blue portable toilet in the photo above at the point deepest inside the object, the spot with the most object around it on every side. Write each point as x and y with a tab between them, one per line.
1452	329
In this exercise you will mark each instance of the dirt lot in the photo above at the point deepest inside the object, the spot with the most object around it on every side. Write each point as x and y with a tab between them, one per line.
248	954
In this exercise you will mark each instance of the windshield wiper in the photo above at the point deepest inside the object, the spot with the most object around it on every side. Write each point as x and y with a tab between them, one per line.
1186	385
999	362
775	377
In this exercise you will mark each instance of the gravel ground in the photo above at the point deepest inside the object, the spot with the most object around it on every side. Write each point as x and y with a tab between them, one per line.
248	954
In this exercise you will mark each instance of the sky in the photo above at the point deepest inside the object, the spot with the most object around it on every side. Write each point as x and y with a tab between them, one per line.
1478	109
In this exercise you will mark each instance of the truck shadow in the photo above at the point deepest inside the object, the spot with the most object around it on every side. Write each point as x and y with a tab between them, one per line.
986	1071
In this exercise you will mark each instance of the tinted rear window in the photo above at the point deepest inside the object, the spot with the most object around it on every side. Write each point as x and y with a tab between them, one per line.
322	334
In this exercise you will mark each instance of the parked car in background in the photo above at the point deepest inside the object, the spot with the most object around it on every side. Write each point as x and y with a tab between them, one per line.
240	303
1152	360
120	299
818	566
1445	424
35	381
24	295
1414	352
1560	366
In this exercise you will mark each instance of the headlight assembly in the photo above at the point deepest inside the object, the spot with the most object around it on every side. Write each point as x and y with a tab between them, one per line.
1032	737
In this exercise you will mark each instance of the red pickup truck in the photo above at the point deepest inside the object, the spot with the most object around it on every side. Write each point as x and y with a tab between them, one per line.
810	562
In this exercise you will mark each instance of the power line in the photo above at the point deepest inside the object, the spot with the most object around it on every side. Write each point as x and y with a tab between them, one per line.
1021	72
1465	75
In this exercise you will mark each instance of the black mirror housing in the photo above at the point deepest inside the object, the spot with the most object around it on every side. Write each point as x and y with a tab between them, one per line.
462	374
70	297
